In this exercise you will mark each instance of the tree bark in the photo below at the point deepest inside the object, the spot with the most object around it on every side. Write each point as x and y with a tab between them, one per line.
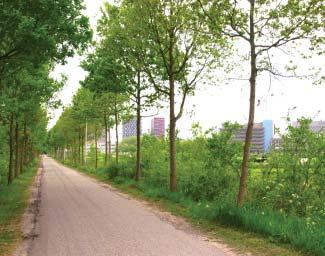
86	137
106	146
138	161
21	153
250	124
109	143
96	149
79	147
82	149
17	149
116	132
11	150
74	150
172	118
25	142
172	139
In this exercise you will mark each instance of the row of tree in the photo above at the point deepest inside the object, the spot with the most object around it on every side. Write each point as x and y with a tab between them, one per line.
90	117
34	36
158	51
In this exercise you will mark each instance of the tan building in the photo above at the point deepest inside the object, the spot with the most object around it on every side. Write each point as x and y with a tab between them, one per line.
258	139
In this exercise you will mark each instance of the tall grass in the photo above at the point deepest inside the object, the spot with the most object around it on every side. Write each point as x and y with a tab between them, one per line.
278	206
13	201
276	226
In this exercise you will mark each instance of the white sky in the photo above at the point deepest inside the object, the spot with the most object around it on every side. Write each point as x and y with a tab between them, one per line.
214	104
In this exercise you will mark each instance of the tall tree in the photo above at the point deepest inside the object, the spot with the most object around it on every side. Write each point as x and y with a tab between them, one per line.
267	27
40	30
180	51
118	34
23	93
107	75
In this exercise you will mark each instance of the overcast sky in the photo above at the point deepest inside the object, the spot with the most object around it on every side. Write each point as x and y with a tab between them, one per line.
214	104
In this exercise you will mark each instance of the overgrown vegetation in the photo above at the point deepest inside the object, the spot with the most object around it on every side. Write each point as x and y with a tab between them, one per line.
285	201
13	201
149	52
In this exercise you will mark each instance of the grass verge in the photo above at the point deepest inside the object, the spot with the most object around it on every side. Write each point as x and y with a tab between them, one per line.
13	202
240	240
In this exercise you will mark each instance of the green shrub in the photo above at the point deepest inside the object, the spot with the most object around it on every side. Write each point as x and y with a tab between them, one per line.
285	199
121	169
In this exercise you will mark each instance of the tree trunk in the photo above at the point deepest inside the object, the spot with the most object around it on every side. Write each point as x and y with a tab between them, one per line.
74	151
11	150
79	147
82	150
116	132
25	142
138	161
250	124
172	118
17	149
109	143
86	135
96	149
21	159
172	143
64	156
106	146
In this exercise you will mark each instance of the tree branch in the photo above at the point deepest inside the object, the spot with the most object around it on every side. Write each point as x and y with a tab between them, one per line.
8	54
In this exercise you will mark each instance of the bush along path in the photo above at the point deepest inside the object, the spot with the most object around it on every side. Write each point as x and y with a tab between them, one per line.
284	203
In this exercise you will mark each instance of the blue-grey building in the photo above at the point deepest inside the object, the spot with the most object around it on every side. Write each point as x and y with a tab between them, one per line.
262	136
130	128
268	134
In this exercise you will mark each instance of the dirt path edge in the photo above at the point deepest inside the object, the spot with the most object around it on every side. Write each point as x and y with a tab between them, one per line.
29	223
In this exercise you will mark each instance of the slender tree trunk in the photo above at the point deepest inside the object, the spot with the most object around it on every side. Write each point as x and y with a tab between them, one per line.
138	161
17	149
82	150
96	148
172	118
86	135
74	150
25	142
21	153
79	147
250	125
11	150
64	153
109	143
106	146
172	141
116	132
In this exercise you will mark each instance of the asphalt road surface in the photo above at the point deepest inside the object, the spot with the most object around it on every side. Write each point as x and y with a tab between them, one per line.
80	217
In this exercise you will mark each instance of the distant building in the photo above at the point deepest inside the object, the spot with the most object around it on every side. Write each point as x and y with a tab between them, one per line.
268	134
262	136
158	126
130	128
315	126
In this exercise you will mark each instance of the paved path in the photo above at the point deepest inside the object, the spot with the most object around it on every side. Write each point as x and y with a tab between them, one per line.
79	217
